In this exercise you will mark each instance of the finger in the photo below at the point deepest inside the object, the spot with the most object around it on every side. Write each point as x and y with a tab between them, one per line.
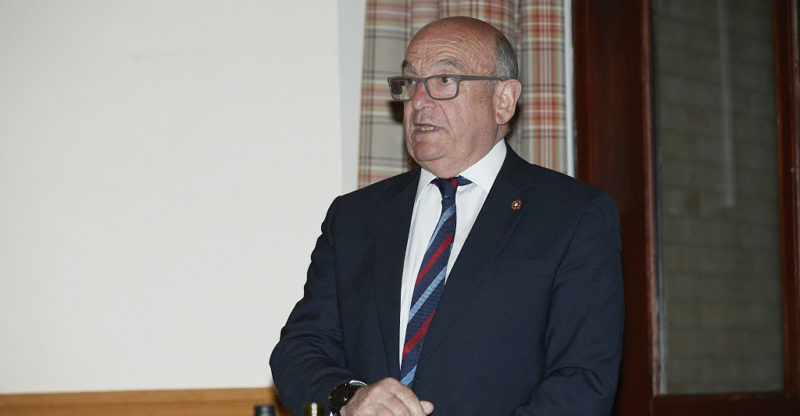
410	400
427	406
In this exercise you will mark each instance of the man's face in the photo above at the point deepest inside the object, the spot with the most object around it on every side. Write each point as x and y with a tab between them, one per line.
447	136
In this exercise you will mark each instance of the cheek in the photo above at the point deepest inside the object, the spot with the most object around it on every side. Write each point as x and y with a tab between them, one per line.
407	114
461	118
478	114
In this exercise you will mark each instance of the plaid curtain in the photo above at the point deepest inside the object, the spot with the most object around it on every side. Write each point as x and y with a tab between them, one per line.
534	27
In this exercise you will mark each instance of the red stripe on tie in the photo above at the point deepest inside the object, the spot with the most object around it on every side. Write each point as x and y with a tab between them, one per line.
418	336
434	256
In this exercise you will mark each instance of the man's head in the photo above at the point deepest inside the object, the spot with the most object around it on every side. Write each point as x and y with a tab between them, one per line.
447	136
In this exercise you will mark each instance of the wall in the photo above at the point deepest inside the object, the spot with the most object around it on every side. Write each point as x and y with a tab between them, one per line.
164	168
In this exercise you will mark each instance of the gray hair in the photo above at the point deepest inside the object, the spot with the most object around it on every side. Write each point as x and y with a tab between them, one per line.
507	66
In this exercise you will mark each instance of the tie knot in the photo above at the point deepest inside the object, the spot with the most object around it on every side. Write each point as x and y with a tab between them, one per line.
448	186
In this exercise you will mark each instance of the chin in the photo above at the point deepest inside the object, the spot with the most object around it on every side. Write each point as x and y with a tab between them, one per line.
425	152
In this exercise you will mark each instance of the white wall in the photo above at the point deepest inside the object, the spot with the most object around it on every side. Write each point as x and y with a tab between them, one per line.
351	56
164	167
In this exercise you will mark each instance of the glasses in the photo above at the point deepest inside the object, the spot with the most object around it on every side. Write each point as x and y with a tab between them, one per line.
439	87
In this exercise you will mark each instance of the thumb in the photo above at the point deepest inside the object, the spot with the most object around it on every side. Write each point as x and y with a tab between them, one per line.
427	406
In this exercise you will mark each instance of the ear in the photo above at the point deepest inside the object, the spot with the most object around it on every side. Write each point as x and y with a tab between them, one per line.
506	94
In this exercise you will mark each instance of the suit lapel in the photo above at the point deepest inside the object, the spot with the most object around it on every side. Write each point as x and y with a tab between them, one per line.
393	220
492	228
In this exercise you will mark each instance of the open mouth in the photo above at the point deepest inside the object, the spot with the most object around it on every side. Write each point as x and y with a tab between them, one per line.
424	128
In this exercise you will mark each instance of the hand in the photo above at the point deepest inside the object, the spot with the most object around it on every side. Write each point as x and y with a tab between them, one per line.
387	397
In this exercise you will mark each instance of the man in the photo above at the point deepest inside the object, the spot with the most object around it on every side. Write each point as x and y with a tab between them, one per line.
529	321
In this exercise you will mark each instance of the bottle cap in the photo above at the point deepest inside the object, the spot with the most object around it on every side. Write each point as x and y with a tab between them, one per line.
264	410
312	409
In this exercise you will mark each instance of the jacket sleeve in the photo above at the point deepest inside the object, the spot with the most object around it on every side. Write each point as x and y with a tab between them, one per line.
308	361
583	340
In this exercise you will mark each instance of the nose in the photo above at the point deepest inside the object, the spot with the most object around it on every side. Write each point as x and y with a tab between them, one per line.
420	99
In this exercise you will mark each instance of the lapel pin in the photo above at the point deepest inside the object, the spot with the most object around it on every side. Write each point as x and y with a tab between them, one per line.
517	204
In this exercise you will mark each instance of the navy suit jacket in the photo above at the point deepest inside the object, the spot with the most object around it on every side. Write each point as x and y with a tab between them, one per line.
530	321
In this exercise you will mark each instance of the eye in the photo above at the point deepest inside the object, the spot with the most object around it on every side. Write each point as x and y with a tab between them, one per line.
447	79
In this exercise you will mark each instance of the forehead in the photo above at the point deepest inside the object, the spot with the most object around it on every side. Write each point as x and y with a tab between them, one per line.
449	48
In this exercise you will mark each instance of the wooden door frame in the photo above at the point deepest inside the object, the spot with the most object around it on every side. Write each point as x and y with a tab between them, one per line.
615	151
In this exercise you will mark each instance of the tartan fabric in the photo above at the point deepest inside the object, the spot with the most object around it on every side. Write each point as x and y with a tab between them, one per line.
534	27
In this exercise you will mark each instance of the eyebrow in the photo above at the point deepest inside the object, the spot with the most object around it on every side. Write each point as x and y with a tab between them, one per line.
449	62
407	66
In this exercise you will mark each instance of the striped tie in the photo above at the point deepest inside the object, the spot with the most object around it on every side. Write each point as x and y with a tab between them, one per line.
430	279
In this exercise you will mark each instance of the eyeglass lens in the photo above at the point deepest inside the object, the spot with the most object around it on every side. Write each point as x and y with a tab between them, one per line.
439	87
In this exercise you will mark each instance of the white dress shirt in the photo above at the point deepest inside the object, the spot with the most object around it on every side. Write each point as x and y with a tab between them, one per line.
428	208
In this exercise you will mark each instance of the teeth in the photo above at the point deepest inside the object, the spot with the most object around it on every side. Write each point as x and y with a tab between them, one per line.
426	128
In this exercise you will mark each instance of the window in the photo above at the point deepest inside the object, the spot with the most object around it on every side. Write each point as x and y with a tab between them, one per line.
624	147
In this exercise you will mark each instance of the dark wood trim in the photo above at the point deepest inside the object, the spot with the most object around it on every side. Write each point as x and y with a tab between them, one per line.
725	404
788	109
615	153
200	402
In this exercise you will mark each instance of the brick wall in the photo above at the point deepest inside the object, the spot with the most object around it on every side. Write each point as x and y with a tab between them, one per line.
718	200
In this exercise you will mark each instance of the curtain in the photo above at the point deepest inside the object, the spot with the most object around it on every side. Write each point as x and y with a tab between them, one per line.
534	27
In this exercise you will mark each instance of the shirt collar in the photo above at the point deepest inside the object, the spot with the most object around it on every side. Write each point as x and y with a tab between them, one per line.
482	173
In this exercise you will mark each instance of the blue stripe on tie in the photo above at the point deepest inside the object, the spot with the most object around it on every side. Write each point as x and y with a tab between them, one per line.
445	216
425	294
409	377
437	267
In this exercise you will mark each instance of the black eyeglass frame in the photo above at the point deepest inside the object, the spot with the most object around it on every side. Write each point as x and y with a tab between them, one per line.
457	77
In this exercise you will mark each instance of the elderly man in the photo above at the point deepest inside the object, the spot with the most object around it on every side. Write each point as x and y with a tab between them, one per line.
511	307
